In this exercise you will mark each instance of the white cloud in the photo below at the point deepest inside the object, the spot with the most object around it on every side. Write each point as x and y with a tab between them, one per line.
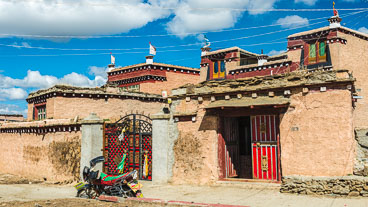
13	93
292	21
14	89
12	109
35	79
82	17
275	52
187	19
98	71
307	2
97	17
363	30
76	79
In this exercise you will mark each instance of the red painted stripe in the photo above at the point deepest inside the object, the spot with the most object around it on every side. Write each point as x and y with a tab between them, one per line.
255	172
258	128
263	135
259	162
274	163
269	156
264	153
268	128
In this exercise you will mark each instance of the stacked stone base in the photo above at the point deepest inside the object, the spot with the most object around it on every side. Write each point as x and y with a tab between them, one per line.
335	186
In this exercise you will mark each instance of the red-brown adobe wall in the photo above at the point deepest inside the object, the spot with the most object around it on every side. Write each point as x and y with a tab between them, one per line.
265	72
174	80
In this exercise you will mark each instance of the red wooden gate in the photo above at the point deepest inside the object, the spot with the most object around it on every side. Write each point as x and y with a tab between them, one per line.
264	147
130	136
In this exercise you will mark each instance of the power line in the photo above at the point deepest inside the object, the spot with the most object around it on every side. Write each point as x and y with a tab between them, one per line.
171	46
163	35
128	52
191	8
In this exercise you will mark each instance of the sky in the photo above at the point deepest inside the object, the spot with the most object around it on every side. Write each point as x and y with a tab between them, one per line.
48	42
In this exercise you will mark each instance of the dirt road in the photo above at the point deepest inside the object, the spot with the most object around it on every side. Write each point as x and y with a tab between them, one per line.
250	195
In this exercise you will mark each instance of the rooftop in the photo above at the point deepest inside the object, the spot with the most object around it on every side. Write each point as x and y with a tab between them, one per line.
108	90
279	81
229	50
327	28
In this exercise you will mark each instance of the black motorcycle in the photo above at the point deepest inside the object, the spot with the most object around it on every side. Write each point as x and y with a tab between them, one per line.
98	183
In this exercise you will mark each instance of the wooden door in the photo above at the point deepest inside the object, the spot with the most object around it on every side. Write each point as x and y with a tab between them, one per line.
264	147
231	139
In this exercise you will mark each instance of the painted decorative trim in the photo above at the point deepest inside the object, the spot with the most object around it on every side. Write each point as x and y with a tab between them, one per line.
154	67
42	129
86	95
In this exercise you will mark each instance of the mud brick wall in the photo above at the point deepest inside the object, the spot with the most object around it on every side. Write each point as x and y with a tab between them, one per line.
195	149
54	156
316	134
335	186
112	108
353	56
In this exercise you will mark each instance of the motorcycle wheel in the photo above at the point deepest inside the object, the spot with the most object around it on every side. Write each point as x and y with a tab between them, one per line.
87	193
82	194
139	194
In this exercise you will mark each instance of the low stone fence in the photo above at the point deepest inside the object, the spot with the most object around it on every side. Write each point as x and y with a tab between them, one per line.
335	186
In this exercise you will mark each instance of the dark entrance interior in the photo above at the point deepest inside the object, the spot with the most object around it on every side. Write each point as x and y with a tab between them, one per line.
245	148
237	137
248	147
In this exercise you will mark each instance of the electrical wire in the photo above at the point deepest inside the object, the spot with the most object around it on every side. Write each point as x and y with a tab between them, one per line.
162	35
124	5
172	46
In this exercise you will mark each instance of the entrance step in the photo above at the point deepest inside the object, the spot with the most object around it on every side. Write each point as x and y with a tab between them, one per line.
249	184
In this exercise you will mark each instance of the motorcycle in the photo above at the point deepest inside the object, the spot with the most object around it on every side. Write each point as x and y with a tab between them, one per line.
98	183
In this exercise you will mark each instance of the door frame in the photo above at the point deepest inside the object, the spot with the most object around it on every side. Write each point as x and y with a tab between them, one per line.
221	141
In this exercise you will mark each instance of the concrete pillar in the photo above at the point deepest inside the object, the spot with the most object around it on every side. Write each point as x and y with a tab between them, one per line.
160	148
92	140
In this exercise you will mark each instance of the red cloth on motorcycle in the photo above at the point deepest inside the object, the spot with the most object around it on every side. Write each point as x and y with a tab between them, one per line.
113	179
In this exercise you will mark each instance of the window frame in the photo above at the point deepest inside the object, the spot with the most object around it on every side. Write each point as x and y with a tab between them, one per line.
218	69
312	59
41	112
322	58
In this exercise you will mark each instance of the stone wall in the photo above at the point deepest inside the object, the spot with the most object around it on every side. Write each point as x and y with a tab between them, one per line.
361	162
335	186
44	155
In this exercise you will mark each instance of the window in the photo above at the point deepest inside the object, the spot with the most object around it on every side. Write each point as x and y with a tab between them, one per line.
41	112
322	52
218	69
312	53
215	70
317	52
131	88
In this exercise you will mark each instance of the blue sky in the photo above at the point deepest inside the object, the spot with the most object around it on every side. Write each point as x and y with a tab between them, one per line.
47	42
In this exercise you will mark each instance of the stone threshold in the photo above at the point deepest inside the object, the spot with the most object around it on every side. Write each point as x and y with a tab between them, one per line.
249	183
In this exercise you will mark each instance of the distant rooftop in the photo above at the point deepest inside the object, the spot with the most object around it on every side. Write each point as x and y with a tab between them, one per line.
154	64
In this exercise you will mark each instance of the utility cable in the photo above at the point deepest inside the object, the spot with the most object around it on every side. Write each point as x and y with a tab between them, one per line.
162	35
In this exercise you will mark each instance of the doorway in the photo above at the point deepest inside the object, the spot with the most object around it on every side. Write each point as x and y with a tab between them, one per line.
248	147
